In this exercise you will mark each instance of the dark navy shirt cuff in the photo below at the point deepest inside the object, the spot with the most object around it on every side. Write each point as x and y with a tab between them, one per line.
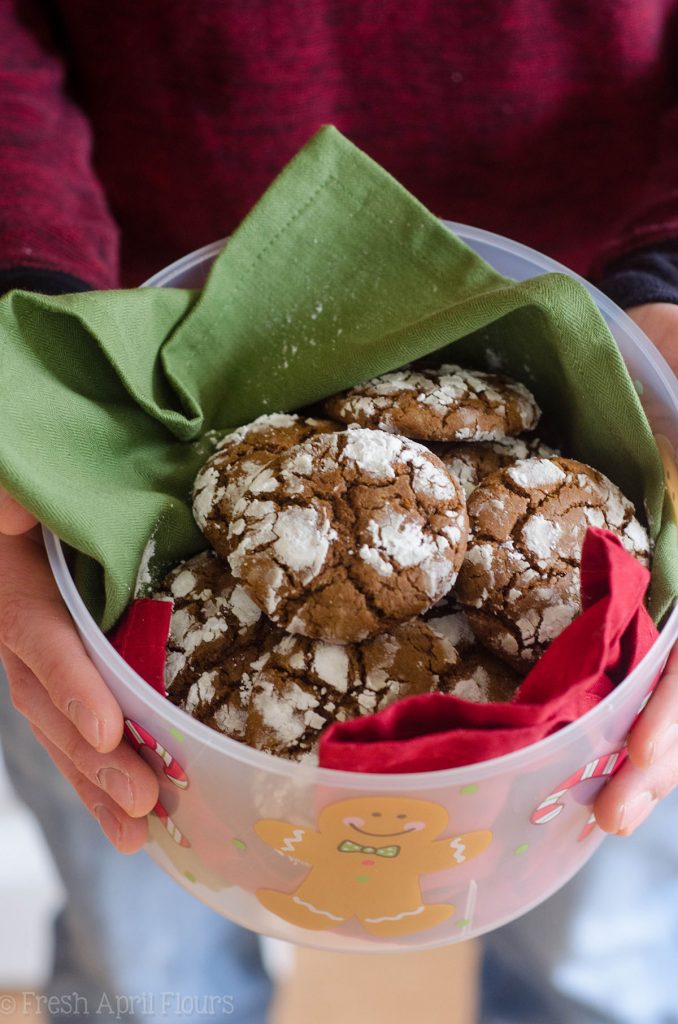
47	282
647	275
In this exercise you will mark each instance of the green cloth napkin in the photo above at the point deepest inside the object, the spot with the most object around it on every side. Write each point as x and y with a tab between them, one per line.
338	274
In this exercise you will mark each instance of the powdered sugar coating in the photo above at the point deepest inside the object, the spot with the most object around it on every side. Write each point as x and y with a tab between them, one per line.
275	421
331	664
401	542
356	531
200	692
303	538
238	459
447	403
207	493
243	607
183	583
541	537
530	474
373	452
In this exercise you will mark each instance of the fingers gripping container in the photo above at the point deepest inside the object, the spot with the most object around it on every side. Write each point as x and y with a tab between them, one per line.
362	863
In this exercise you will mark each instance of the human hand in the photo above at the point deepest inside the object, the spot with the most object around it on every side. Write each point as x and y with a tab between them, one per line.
651	770
56	687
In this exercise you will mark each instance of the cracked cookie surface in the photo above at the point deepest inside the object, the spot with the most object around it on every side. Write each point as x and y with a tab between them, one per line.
348	534
304	685
476	675
238	458
519	583
216	635
449	403
472	461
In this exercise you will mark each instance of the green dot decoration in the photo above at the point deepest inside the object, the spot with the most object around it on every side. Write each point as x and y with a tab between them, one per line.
468	790
239	844
362	878
463	921
177	735
521	849
190	877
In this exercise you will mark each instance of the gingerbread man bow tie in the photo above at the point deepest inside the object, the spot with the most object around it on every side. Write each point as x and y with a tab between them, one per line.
348	846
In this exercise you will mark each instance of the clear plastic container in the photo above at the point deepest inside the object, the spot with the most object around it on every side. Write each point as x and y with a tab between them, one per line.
344	861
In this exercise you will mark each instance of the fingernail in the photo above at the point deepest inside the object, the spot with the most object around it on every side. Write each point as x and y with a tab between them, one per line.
109	823
663	743
86	722
117	784
635	811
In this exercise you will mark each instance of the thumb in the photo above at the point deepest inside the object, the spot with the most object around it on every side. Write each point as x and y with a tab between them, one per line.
14	518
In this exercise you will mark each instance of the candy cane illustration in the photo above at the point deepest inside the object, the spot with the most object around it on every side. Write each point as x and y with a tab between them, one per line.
169	826
553	804
140	737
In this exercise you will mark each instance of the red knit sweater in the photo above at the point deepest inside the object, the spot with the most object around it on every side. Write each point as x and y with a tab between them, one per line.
155	124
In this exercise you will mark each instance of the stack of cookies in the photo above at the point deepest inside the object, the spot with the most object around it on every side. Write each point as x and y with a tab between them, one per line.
410	542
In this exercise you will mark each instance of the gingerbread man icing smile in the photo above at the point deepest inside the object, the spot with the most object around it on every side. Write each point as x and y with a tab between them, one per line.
366	859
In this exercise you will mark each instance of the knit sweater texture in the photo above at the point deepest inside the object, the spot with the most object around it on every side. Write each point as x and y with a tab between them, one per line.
133	132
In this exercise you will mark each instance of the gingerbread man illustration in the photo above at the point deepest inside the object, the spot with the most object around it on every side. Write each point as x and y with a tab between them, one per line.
366	858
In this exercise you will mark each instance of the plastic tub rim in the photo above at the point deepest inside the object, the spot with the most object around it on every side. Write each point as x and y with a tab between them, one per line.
336	778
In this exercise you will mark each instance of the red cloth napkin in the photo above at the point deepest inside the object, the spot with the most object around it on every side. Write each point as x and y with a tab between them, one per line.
580	667
141	639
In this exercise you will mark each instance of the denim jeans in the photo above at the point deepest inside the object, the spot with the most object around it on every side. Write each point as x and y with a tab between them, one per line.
130	943
603	950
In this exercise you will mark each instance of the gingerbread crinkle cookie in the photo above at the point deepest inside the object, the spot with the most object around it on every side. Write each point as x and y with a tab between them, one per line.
449	403
348	534
520	580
